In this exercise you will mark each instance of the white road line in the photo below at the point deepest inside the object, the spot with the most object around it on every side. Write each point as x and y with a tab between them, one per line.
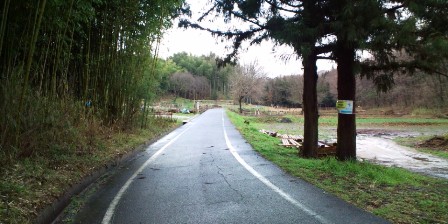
111	210
268	183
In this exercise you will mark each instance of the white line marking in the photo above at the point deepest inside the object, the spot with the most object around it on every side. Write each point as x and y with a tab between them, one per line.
111	210
268	183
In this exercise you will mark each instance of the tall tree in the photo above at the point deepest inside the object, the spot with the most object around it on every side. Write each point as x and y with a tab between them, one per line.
244	82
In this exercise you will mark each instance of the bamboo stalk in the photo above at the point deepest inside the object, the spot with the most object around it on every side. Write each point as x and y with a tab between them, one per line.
39	15
3	23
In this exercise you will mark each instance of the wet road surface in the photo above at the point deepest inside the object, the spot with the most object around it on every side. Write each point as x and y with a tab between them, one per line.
205	172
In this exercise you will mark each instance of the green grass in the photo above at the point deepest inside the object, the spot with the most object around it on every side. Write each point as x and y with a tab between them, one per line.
183	103
393	193
402	121
428	112
328	125
441	154
333	120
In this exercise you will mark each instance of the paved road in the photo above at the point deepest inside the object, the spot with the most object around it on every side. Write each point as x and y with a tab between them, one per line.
205	172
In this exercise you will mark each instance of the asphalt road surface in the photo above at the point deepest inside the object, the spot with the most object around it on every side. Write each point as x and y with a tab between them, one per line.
205	172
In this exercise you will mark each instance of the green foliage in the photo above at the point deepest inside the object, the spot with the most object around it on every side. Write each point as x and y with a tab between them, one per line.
415	41
328	100
283	91
402	36
183	103
250	8
426	111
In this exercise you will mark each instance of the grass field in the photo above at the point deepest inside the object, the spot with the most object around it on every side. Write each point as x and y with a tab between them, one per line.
393	193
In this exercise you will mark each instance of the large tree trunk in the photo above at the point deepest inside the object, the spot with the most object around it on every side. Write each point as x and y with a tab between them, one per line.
346	147
309	148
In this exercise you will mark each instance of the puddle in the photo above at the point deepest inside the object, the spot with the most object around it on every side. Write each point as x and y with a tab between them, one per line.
386	152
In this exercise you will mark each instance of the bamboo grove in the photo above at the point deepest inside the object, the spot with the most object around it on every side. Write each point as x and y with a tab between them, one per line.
68	60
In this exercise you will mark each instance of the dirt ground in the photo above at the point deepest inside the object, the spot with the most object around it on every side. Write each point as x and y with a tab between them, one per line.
438	143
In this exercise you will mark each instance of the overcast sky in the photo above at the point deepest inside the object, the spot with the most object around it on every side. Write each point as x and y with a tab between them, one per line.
200	43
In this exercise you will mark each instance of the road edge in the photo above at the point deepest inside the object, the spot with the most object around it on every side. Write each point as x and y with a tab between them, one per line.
52	213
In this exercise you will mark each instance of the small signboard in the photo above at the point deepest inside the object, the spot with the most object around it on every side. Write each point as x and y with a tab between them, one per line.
345	106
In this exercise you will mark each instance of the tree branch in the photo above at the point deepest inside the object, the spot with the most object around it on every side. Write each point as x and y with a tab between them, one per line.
276	6
227	34
410	66
325	58
439	73
237	38
324	49
207	13
247	20
393	9
291	5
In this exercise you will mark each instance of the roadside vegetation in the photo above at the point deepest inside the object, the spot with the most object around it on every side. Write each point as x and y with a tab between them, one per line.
393	193
30	184
73	144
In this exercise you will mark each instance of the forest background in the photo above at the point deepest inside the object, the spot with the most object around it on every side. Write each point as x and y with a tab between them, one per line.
199	77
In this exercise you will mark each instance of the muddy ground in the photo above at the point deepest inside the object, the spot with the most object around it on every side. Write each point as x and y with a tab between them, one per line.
375	144
386	152
437	143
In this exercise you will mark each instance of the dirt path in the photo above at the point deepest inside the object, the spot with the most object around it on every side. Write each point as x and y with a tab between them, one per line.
387	152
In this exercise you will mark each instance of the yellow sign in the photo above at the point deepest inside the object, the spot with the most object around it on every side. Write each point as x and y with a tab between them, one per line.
345	106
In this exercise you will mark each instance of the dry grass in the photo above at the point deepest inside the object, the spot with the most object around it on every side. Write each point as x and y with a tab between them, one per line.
31	183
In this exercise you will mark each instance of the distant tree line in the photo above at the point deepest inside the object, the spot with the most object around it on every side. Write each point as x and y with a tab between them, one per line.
418	90
198	77
284	91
